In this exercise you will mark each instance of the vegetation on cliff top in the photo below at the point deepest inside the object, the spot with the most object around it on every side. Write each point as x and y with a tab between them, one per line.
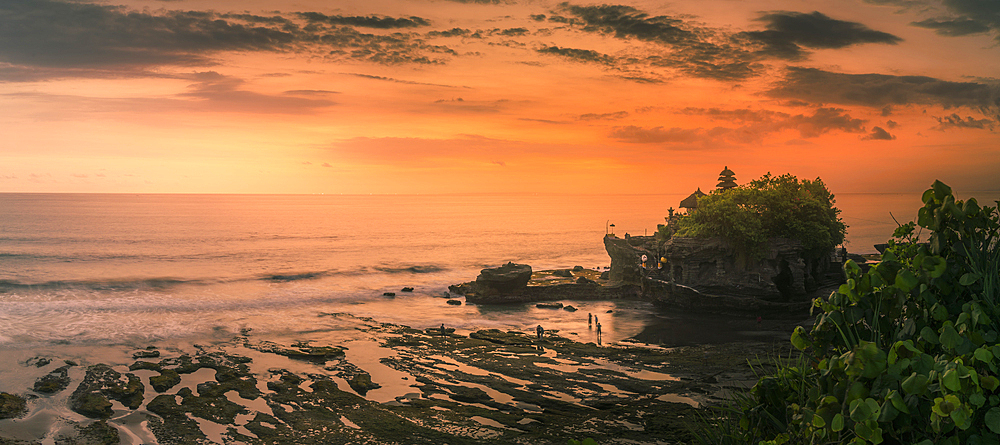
772	206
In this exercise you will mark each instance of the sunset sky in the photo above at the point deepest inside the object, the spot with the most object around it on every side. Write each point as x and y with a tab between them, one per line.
438	96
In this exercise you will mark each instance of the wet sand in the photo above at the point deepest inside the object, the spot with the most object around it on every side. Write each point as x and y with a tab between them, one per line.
465	387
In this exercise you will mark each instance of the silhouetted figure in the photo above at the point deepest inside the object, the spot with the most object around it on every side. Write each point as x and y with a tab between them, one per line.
590	320
598	333
540	331
443	331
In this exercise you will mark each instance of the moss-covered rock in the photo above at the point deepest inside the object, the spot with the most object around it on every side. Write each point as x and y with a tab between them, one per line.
362	382
102	383
166	380
97	433
91	404
53	382
12	406
152	366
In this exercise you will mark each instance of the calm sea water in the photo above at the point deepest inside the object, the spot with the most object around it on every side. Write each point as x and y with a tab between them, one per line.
107	269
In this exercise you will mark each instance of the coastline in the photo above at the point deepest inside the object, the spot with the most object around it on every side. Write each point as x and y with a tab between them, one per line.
463	387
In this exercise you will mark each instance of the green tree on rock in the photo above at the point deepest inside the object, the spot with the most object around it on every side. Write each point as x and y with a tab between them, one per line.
773	206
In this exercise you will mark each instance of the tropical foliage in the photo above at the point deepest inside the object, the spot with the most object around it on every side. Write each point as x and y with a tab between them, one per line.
905	353
772	206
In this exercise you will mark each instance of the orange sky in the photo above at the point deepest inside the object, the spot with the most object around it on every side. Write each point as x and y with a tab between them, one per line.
438	96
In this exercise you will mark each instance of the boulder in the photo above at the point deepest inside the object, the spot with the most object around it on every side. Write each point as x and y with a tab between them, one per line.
505	279
12	406
362	383
454	302
53	382
102	383
166	380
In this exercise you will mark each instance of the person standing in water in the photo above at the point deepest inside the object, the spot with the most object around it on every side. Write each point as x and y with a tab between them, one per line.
598	333
540	331
590	320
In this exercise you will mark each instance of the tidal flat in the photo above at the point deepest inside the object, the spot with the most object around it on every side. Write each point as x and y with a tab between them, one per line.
371	382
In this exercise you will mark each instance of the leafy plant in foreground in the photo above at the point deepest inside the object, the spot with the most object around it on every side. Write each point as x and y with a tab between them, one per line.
903	354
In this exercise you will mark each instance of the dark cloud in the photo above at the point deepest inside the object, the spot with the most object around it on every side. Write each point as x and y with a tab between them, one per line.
905	4
694	50
786	32
580	55
394	80
956	121
603	116
454	32
891	124
640	78
49	33
823	120
986	12
628	22
741	116
879	90
542	121
372	21
460	105
46	38
756	123
751	127
538	17
710	53
953	27
879	134
513	32
311	92
657	135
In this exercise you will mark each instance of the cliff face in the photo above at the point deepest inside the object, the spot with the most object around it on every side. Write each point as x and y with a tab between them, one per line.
626	257
711	266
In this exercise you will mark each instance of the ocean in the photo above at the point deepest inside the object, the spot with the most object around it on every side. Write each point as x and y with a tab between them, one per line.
109	269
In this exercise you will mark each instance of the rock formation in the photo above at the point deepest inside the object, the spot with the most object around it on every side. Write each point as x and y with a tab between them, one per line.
711	266
504	279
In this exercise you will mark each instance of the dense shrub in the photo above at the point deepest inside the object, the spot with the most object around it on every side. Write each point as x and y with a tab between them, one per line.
772	206
903	354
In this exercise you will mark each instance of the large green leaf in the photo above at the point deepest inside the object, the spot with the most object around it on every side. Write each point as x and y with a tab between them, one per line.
949	336
993	420
969	278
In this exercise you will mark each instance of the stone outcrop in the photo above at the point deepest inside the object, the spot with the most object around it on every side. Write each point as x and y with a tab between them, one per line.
504	279
710	266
